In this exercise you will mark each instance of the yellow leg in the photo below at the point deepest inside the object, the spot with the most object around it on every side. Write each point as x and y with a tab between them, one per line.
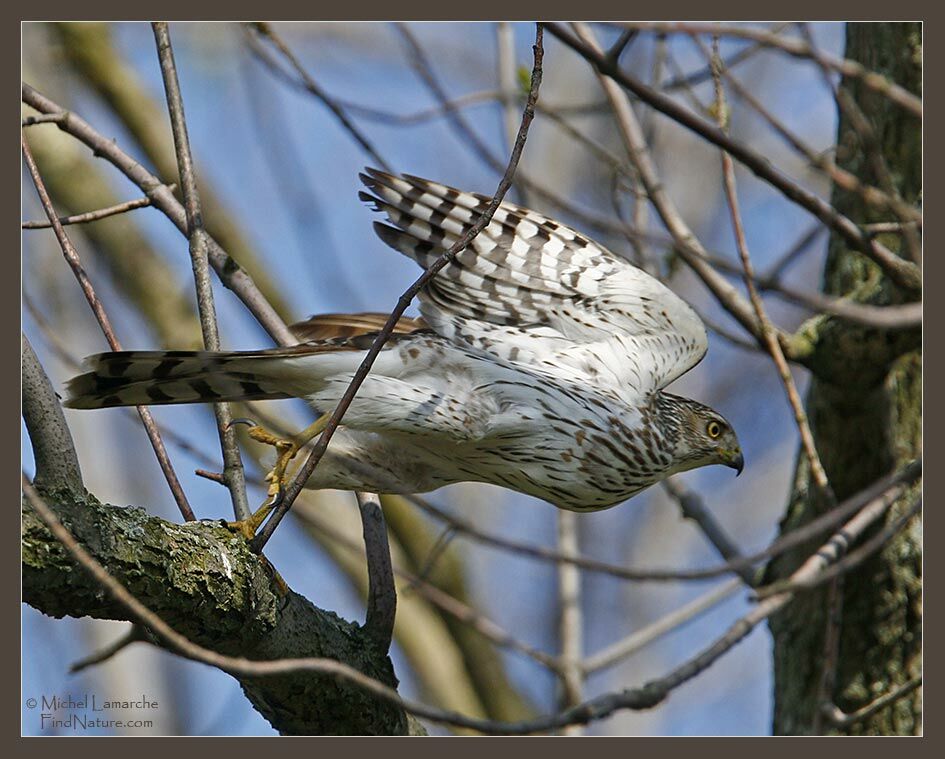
247	527
287	450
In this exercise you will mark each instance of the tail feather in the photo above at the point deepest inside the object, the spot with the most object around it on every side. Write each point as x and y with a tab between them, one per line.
131	378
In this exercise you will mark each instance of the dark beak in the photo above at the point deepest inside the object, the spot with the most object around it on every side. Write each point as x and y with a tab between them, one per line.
737	463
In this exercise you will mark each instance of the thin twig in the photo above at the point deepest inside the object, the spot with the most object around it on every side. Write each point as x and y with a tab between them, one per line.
818	159
102	213
197	236
231	274
893	317
768	331
570	620
675	619
72	258
704	74
135	635
318	450
266	31
839	718
427	72
796	48
870	143
686	243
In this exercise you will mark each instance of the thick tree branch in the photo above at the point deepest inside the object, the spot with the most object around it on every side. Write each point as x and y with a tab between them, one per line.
202	580
57	465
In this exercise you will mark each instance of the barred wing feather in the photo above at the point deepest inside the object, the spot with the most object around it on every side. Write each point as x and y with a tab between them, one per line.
535	292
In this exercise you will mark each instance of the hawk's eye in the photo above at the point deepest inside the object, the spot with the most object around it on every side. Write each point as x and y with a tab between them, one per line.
713	430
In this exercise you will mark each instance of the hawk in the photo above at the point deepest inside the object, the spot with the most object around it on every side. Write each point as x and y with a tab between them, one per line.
539	364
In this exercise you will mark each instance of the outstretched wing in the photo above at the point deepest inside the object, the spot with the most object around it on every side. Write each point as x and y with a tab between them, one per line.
535	292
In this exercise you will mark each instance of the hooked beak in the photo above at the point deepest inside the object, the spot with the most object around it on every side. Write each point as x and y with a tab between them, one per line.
737	462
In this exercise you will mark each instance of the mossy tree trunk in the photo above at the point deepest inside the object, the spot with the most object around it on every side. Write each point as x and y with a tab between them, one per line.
864	405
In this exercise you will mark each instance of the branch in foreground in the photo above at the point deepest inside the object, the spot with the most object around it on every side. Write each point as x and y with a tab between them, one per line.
208	586
197	237
318	450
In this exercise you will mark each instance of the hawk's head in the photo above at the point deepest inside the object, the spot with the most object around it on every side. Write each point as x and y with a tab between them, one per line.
702	437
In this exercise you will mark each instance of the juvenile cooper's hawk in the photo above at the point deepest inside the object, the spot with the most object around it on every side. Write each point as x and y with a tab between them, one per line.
539	365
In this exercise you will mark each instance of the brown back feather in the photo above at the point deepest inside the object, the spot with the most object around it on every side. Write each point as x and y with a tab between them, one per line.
331	326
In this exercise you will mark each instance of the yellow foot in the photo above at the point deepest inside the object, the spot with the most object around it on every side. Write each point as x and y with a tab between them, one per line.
287	450
247	527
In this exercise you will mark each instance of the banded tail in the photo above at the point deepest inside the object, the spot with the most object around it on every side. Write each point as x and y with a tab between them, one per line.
148	378
133	378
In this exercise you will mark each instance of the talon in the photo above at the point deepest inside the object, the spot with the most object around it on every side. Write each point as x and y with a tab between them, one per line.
287	450
241	420
248	527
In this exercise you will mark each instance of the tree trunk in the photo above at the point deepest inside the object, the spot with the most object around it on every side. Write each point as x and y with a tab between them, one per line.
864	405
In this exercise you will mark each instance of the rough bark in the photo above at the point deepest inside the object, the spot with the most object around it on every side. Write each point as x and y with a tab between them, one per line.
203	581
864	405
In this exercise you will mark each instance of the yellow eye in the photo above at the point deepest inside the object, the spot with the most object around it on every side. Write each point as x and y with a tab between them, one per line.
713	429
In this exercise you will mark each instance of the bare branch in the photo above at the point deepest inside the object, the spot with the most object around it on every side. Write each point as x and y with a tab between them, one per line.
382	597
57	464
819	160
102	213
686	242
72	258
767	329
197	236
266	31
231	274
904	273
638	639
794	47
570	619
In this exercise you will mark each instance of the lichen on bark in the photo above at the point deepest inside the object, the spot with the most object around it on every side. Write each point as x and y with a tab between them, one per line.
204	581
865	407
